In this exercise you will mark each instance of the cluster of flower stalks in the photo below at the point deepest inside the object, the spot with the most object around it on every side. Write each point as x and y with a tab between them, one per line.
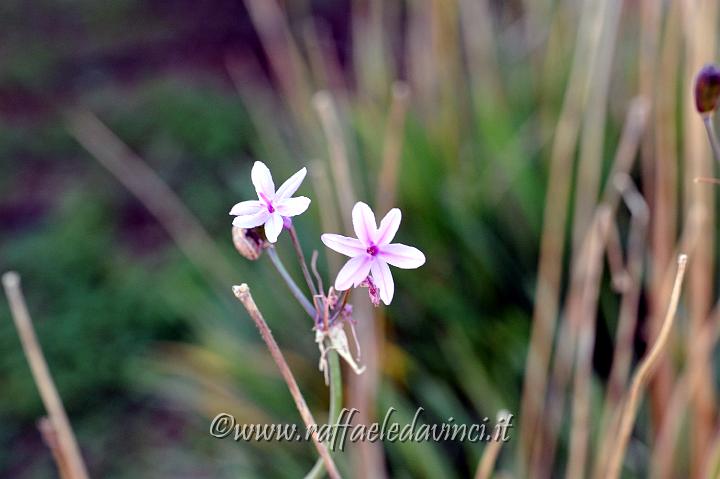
257	227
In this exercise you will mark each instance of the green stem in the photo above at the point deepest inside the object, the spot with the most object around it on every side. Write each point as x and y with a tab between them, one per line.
336	399
294	289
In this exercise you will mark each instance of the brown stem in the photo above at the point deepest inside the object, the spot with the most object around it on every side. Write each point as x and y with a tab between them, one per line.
301	260
643	374
66	445
242	293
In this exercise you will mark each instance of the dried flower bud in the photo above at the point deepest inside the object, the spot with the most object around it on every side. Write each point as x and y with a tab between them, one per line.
249	242
707	89
373	290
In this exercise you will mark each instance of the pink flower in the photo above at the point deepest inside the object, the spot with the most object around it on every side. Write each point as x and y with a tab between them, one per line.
371	252
271	207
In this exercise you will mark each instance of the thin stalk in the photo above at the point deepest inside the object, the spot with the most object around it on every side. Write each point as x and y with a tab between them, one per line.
339	308
294	289
643	374
303	263
336	400
492	450
313	265
336	389
712	137
242	293
65	447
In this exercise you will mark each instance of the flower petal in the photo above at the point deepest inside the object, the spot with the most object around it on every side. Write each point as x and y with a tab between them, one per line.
251	221
402	256
383	280
292	206
354	272
364	223
262	180
291	185
388	227
246	208
273	227
343	244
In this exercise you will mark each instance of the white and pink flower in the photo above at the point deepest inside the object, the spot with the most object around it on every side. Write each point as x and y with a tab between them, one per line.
272	207
372	252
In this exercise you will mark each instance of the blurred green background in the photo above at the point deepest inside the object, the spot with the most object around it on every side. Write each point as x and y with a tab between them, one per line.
145	346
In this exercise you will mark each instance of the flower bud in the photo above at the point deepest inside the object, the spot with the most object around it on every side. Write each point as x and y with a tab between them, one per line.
707	89
248	242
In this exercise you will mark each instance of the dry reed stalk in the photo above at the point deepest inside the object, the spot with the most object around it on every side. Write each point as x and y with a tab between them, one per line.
370	461
480	49
263	109
385	199
712	468
284	56
641	376
339	161
328	213
50	439
420	64
153	193
392	148
448	109
242	293
663	196
686	386
650	22
322	57
490	453
593	130
627	318
553	236
61	442
544	452
616	260
668	432
700	28
363	388
593	257
371	49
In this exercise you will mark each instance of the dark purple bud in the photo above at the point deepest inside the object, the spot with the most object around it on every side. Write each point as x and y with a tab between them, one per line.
707	89
249	242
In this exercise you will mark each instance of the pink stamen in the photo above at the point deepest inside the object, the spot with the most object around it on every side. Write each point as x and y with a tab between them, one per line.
270	206
372	250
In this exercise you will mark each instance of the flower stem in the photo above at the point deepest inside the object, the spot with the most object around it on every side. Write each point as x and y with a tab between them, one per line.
710	129
336	399
294	289
303	263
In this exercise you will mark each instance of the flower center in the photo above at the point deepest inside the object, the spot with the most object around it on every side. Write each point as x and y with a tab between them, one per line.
372	250
267	201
